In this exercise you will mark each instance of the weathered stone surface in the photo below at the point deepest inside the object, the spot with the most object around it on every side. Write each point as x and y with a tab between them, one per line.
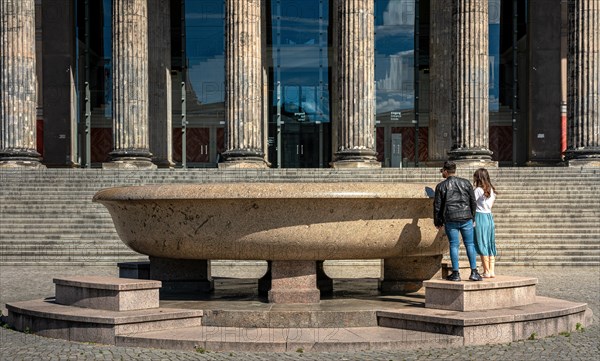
354	80
470	79
130	85
583	82
243	81
18	85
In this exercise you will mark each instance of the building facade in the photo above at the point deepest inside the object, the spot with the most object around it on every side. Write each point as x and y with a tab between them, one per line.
299	83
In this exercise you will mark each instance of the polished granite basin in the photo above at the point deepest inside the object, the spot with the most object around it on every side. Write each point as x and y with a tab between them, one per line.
276	221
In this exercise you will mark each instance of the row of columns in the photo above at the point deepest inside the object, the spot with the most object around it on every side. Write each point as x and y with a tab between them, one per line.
354	91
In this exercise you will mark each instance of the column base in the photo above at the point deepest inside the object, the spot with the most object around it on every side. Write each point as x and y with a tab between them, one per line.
294	282
130	159
243	159
21	164
20	159
471	155
356	158
587	157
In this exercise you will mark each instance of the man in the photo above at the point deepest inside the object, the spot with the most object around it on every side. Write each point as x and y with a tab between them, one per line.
454	208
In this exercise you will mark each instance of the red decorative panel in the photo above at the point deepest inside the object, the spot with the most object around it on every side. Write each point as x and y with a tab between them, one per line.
408	142
501	143
197	144
102	144
40	136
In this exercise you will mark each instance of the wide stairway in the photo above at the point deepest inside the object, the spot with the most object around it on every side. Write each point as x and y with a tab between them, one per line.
544	216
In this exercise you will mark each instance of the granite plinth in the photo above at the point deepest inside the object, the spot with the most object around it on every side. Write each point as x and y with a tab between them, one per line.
107	293
491	293
294	282
181	275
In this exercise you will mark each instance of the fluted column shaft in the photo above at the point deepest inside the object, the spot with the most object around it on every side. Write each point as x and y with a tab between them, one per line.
470	81
130	83
18	84
159	76
355	83
243	82
583	98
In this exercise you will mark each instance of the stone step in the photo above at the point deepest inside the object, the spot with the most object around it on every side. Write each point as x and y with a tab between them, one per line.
345	339
49	319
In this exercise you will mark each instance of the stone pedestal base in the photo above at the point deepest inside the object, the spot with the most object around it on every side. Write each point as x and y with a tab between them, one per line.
294	282
406	274
343	164
21	164
585	163
475	163
491	293
259	164
181	275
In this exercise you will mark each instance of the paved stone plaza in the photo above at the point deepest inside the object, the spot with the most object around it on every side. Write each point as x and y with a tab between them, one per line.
581	284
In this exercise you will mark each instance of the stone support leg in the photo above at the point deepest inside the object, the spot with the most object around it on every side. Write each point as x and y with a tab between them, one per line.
294	282
354	80
406	274
243	81
18	85
130	86
181	275
470	83
159	76
324	282
583	97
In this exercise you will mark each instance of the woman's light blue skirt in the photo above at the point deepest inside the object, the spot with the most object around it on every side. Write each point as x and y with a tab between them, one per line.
485	234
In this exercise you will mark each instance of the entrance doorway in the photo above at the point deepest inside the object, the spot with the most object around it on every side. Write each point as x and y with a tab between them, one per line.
298	55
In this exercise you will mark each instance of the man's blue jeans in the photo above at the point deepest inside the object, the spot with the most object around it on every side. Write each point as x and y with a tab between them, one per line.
465	228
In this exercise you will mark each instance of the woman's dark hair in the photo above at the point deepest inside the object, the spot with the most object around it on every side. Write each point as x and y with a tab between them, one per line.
481	178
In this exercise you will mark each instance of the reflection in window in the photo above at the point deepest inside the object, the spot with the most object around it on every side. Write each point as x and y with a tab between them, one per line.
394	55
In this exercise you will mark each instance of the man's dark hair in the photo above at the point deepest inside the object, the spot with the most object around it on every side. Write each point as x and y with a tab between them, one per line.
449	166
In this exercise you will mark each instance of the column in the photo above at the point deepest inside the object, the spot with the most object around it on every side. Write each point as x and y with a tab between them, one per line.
354	80
243	82
159	80
18	85
583	98
470	79
130	86
440	80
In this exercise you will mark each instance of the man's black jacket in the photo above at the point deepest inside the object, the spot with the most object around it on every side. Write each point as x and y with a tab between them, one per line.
454	201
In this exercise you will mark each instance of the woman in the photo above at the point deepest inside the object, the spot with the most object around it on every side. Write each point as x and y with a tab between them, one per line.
485	234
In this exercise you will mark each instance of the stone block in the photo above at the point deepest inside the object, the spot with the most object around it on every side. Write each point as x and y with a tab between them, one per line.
136	270
294	282
494	293
107	293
